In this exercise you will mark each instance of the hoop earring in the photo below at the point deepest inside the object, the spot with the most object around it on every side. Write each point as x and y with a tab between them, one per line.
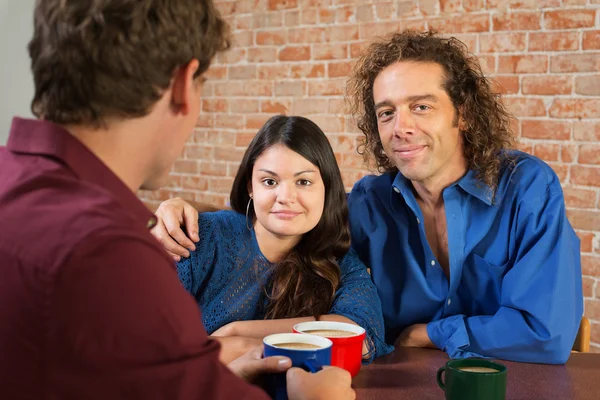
247	212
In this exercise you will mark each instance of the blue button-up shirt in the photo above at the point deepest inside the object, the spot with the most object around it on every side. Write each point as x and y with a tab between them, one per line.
515	288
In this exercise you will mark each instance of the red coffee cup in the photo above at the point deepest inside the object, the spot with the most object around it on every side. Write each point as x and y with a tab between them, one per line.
347	341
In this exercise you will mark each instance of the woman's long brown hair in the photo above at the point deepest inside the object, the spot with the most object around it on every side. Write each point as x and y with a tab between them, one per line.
304	283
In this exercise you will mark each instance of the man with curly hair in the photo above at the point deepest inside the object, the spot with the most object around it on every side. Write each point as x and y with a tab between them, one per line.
467	239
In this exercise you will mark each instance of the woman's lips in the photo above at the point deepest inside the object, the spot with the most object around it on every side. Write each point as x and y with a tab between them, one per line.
285	214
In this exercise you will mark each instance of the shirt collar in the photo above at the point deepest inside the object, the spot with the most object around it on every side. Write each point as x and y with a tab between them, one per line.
44	138
469	183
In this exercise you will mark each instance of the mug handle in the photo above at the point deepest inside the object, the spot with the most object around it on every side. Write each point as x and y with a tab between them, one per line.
312	365
440	382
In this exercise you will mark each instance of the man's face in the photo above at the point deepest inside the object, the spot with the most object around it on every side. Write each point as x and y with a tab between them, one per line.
417	122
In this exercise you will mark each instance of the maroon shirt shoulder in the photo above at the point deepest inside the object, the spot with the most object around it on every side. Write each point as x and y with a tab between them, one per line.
90	305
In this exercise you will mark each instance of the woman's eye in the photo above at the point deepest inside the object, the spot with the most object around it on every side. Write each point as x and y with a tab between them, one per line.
304	182
269	182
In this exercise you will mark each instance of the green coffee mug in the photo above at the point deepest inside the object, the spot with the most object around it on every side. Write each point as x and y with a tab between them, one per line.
473	379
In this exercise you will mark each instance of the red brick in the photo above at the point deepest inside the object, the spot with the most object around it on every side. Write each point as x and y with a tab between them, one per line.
262	54
588	85
273	71
473	5
505	84
306	35
502	42
575	62
224	89
357	48
575	108
228	121
243	106
185	167
341	33
592	309
331	87
295	53
282	4
546	151
595	328
292	18
309	106
194	182
580	198
211	199
337	106
526	4
216	72
414	24
544	129
469	39
242	72
220	185
526	64
569	19
243	139
428	7
345	143
517	21
226	8
289	88
279	106
257	88
590	265
195	152
344	15
586	176
589	154
329	124
586	131
587	241
588	286
525	107
326	16
407	8
267	20
461	23
214	105
568	153
364	13
350	178
242	39
308	71
547	84
561	170
574	2
553	41
339	69
352	160
591	40
228	154
488	64
450	6
524	147
330	51
233	56
384	11
242	22
369	31
271	37
308	16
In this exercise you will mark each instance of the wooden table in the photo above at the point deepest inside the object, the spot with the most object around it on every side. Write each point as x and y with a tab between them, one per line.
411	374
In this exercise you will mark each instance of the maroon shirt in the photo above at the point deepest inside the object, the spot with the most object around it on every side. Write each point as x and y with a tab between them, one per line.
90	304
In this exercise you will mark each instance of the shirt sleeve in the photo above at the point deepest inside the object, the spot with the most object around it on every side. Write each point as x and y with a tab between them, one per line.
357	299
541	295
121	326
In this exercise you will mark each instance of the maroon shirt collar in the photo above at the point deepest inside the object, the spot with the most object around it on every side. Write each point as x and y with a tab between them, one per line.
44	138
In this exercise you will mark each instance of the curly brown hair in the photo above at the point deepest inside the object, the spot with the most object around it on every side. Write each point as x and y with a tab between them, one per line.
93	61
487	129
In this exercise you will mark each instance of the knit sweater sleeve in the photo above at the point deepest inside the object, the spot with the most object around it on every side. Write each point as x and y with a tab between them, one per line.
357	299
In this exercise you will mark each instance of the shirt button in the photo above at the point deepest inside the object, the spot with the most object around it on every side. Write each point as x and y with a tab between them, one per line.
432	263
418	221
396	190
449	301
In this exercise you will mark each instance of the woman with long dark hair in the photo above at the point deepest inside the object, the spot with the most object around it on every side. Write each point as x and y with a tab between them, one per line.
282	255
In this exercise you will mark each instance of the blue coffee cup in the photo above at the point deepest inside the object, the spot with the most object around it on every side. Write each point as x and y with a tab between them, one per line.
308	352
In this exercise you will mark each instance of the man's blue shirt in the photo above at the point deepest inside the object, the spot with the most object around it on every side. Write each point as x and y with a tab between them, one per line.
515	289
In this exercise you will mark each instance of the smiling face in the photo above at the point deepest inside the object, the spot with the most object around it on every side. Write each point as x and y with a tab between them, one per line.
288	192
418	124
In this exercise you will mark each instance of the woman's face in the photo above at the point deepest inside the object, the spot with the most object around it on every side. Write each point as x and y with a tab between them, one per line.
288	192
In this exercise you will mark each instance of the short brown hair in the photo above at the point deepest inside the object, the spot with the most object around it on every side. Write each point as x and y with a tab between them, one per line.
487	121
103	59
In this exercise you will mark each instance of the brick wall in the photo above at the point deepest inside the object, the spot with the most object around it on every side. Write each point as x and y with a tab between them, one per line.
293	56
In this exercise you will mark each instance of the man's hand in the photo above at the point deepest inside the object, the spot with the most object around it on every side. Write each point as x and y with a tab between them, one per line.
251	365
415	336
172	215
331	383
